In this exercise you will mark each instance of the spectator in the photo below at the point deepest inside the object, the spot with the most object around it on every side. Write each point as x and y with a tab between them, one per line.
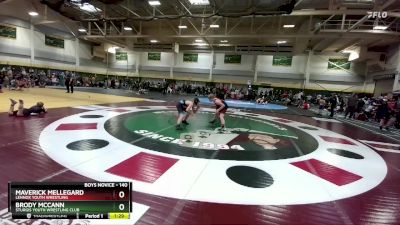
1	82
306	105
387	116
321	106
333	104
351	106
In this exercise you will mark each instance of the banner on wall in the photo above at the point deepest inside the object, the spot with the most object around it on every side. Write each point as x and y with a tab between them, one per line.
154	56
8	31
54	42
190	57
121	56
233	59
338	64
279	60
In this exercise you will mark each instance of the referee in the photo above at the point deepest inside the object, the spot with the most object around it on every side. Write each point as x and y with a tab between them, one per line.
69	82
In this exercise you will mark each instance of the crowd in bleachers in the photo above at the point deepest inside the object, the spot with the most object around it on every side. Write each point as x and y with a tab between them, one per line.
17	78
384	109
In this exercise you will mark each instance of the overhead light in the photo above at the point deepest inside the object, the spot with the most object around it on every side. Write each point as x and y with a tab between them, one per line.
223	41
354	52
88	7
199	2
127	28
224	45
154	3
82	30
354	55
198	40
281	42
153	41
214	26
112	49
182	26
288	26
201	44
380	27
33	13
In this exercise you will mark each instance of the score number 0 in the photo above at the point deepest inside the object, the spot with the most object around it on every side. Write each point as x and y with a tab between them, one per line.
121	194
121	207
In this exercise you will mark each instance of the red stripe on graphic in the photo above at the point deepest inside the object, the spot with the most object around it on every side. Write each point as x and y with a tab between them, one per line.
327	172
77	126
143	167
337	140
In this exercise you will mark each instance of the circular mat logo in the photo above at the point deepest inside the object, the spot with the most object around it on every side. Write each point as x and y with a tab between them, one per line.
258	160
251	138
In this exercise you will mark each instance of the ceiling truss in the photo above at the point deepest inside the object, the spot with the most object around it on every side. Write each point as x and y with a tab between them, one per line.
258	24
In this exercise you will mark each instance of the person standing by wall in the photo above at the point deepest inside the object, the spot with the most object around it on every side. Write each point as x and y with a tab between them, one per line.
387	115
322	104
62	79
69	81
1	82
351	106
333	104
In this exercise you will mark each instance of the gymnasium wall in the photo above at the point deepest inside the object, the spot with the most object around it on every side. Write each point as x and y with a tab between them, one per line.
199	70
203	63
125	66
393	58
387	79
78	56
383	86
18	51
337	79
281	76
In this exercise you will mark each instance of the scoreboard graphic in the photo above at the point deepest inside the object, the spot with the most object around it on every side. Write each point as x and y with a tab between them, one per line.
72	200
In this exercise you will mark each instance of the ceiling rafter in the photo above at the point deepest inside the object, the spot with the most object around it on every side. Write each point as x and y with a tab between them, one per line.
213	22
318	44
349	44
115	27
98	27
190	13
168	22
130	10
234	26
358	23
193	25
323	23
237	25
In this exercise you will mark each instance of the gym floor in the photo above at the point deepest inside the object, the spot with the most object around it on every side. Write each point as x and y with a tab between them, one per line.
269	166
